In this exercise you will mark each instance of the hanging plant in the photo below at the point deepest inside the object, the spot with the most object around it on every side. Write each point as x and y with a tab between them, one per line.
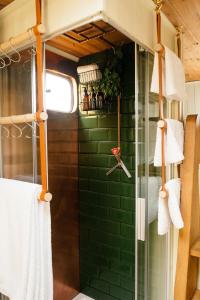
110	83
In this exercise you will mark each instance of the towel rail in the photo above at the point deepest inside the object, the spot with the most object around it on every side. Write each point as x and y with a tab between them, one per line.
26	118
33	34
23	39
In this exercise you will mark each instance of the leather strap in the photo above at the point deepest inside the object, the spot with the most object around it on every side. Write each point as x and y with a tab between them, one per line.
40	108
161	98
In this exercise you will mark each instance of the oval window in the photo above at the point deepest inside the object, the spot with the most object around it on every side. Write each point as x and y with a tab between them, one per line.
60	92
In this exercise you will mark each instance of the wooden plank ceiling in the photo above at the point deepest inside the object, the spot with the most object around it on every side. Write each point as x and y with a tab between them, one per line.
89	39
186	13
4	3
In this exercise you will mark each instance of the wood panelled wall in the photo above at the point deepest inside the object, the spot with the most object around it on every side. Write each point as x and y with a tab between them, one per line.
63	183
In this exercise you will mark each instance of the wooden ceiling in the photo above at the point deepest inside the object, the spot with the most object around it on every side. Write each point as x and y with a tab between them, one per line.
4	3
186	13
89	39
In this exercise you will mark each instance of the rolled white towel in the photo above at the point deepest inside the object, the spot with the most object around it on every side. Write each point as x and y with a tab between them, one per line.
174	140
173	187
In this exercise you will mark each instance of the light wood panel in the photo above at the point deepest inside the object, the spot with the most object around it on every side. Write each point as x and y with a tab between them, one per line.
195	251
89	39
196	295
187	265
187	14
4	3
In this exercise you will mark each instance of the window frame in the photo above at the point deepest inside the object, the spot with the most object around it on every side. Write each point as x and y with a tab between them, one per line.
74	89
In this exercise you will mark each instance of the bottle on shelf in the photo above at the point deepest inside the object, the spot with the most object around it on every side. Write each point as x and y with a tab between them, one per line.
100	99
85	100
93	100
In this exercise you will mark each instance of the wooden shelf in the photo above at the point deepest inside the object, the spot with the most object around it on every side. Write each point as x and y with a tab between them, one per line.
195	250
196	295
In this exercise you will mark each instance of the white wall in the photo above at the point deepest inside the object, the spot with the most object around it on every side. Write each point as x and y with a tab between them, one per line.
136	18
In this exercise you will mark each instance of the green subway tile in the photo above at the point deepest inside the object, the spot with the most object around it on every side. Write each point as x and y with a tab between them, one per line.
128	120
120	267
98	186
96	294
127	245
84	159
100	285
128	148
83	135
112	134
99	199
110	277
94	259
127	283
107	121
122	189
106	238
120	293
128	135
88	147
121	216
110	201
127	231
99	224
127	203
99	160
127	257
106	147
88	122
83	184
98	134
93	210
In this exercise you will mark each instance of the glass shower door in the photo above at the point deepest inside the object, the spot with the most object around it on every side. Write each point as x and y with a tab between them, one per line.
151	249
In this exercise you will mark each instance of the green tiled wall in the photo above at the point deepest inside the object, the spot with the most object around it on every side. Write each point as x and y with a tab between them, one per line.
107	205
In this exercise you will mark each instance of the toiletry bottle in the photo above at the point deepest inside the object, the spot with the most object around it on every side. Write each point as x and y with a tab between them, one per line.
85	100
100	99
93	101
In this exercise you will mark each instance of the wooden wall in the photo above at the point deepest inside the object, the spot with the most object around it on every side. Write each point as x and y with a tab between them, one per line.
63	183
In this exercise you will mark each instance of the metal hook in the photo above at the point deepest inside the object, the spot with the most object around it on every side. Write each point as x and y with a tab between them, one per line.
18	128
32	127
33	51
8	132
3	64
12	46
7	56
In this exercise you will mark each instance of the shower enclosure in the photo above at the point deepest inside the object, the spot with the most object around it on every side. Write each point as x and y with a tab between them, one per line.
105	240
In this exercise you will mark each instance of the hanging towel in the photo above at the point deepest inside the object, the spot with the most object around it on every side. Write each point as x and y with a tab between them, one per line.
174	138
173	188
163	216
25	252
173	76
169	209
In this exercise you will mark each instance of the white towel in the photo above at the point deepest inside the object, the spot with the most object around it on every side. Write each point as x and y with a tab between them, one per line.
173	188
163	216
169	209
174	139
173	77
25	252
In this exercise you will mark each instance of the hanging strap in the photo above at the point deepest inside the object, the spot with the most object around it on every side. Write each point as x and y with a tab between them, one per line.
161	98
42	129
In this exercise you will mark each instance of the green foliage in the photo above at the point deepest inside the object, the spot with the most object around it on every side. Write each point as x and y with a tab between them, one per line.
110	83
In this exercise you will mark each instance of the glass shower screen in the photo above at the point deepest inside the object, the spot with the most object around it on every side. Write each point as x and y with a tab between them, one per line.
151	249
